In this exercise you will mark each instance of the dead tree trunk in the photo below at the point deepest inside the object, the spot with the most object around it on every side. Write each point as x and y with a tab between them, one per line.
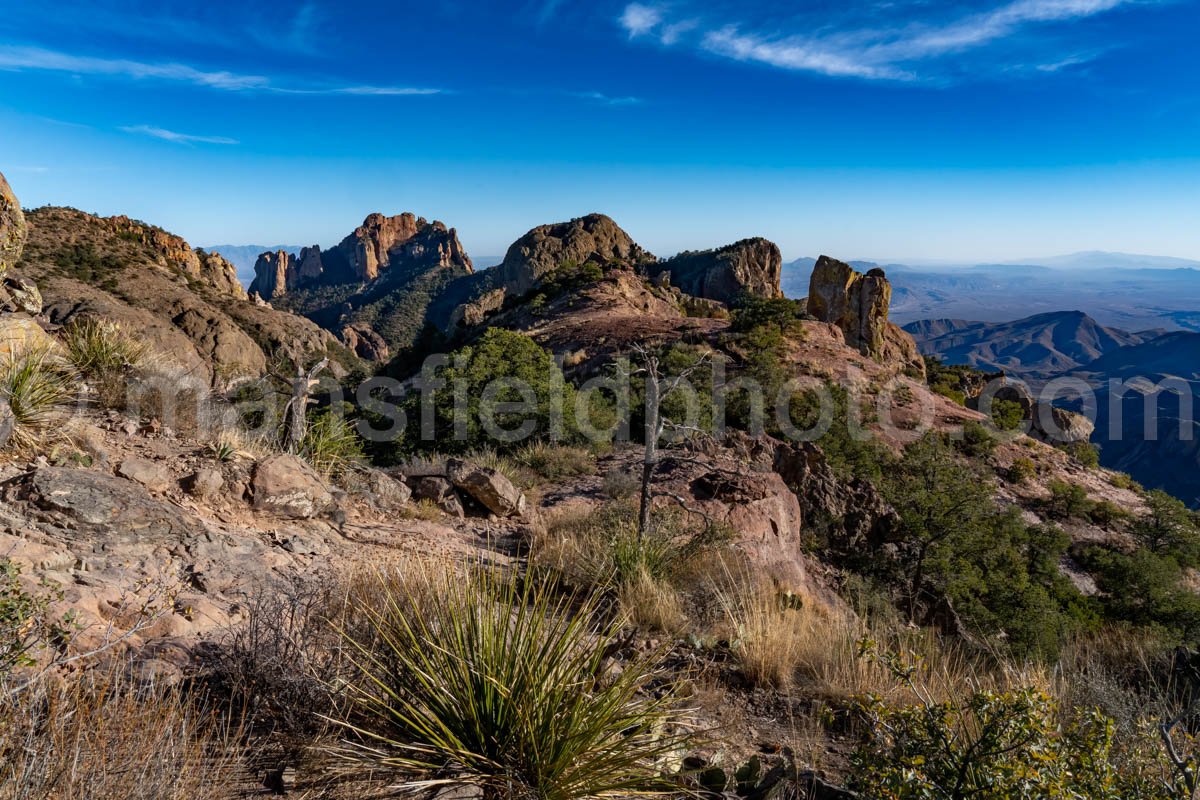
650	455
296	411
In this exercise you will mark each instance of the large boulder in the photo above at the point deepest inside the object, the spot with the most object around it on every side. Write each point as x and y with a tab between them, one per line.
364	342
21	332
492	490
594	238
749	267
12	227
856	303
285	485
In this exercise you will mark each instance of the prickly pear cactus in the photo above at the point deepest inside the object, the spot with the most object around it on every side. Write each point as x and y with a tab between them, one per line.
12	228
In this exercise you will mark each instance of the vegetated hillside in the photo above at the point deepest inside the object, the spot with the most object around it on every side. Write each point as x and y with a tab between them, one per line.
1035	347
185	303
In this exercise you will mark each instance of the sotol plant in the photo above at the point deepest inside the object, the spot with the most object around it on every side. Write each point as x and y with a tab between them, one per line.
494	681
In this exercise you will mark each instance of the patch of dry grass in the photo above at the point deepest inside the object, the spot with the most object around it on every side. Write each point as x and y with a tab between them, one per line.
97	736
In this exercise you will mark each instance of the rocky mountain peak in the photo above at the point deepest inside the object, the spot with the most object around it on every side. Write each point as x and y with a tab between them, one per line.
751	266
595	237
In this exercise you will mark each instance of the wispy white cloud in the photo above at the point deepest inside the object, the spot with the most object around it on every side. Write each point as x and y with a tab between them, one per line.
638	19
36	58
608	100
175	136
871	53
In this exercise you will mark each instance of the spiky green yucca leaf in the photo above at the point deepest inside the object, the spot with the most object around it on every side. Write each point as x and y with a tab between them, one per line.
96	347
492	680
38	387
331	444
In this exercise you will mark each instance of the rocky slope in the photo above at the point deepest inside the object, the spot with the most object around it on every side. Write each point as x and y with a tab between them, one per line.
185	303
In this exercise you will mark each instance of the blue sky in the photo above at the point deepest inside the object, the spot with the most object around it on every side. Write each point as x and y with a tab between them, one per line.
902	129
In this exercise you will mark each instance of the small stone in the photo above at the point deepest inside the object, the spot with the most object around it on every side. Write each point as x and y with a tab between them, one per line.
204	483
153	476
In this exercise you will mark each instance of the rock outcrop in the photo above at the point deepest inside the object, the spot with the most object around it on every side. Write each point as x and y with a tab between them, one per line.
594	238
404	240
184	304
171	251
274	274
366	343
12	227
749	267
858	304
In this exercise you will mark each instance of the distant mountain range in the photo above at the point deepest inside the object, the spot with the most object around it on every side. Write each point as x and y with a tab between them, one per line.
1035	347
1129	292
1072	344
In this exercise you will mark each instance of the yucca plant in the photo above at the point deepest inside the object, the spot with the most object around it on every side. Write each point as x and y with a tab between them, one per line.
330	444
495	681
39	387
98	348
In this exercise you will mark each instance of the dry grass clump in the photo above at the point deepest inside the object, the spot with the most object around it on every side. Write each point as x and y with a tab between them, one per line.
39	387
98	736
556	461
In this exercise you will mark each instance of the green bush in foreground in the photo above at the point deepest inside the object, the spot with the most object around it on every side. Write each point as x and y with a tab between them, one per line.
494	681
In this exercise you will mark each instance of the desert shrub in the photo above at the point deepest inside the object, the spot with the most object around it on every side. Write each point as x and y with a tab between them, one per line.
999	574
1022	470
620	484
976	441
104	353
39	388
990	745
1007	414
555	462
26	622
569	276
600	548
495	686
1123	481
280	665
96	736
1067	501
851	452
1146	590
1084	453
331	444
780	313
1106	513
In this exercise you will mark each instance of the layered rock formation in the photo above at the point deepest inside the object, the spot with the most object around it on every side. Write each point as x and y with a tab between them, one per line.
858	304
12	228
594	238
749	267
